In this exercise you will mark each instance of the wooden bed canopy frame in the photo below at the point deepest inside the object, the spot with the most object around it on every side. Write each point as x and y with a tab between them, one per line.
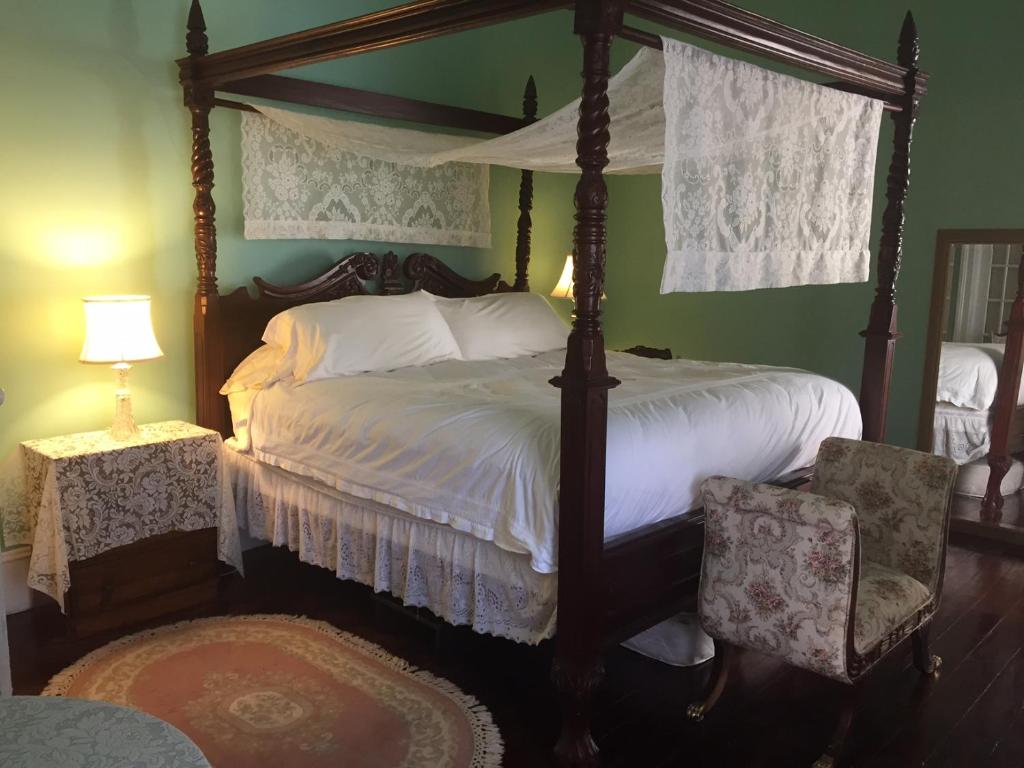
607	591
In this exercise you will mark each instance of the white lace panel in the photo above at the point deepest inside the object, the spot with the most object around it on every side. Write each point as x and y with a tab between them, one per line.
297	186
767	180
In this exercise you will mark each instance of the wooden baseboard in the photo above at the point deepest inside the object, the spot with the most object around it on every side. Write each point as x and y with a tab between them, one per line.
967	527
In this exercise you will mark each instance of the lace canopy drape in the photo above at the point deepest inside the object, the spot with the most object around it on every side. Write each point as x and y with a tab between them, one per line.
767	180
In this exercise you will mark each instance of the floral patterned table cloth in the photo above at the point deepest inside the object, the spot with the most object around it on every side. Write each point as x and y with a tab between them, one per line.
47	732
89	493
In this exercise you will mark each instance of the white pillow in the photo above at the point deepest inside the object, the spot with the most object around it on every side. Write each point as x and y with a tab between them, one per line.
359	334
260	369
503	325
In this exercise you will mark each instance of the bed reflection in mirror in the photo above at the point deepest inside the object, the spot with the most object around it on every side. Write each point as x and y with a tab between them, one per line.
973	361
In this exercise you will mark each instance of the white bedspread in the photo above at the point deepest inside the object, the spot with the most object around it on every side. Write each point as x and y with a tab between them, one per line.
969	375
475	445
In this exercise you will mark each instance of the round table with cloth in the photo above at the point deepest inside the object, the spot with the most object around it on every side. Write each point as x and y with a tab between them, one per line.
51	732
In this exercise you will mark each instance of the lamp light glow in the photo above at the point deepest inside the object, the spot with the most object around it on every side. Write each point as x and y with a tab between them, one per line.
563	288
119	332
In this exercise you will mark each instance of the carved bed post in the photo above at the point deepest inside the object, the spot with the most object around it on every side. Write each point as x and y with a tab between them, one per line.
881	333
210	411
585	382
522	282
1005	405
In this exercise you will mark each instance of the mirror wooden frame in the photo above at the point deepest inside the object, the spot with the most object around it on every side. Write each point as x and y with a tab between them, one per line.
945	239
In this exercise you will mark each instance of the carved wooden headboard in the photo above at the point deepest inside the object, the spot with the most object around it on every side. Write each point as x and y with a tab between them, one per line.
233	325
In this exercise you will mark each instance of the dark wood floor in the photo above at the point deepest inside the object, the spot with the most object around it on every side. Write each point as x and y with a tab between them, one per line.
771	715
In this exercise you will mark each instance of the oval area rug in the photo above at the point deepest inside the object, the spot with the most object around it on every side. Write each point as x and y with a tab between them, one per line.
269	690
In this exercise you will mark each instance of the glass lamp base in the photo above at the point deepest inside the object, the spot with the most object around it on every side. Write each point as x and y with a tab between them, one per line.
123	427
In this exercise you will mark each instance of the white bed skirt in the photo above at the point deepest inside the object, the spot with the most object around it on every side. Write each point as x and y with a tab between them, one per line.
964	434
463	580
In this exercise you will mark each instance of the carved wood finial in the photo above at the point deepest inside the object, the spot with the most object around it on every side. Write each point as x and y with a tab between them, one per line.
910	45
530	99
196	42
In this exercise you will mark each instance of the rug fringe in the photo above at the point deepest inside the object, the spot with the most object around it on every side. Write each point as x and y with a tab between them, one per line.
488	745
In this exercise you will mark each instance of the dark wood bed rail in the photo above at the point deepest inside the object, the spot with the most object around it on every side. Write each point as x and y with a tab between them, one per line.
311	94
403	24
592	609
424	19
651	40
747	31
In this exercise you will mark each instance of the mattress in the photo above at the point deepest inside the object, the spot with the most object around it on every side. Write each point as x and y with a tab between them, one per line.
475	445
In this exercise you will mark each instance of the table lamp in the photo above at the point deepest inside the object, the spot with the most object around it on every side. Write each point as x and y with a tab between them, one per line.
119	332
563	289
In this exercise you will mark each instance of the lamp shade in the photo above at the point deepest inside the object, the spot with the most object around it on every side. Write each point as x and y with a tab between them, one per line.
563	289
118	329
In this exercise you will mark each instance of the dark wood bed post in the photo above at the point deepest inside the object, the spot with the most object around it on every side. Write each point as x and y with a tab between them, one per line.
881	333
578	669
199	100
1005	404
522	282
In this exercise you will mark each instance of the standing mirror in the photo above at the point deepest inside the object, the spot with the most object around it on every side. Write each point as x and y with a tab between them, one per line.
971	407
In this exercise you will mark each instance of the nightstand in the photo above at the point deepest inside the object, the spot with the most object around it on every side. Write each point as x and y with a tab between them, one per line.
128	530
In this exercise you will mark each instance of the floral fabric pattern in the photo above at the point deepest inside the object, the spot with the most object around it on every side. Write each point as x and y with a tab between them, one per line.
779	564
295	186
885	600
778	572
46	731
89	493
902	500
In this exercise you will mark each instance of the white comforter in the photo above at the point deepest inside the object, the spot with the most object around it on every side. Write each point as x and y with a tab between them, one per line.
969	375
475	445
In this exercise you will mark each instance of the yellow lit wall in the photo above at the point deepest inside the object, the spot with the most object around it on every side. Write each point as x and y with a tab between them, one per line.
96	197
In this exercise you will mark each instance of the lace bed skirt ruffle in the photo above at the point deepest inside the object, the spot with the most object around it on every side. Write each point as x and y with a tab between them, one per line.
462	579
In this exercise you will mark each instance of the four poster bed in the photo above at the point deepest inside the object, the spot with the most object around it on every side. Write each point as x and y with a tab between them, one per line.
608	589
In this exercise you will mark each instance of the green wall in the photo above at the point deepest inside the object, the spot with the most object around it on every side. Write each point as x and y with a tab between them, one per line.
96	196
967	168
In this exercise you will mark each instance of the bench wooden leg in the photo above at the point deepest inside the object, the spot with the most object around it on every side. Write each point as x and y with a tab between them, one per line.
926	662
836	753
724	657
